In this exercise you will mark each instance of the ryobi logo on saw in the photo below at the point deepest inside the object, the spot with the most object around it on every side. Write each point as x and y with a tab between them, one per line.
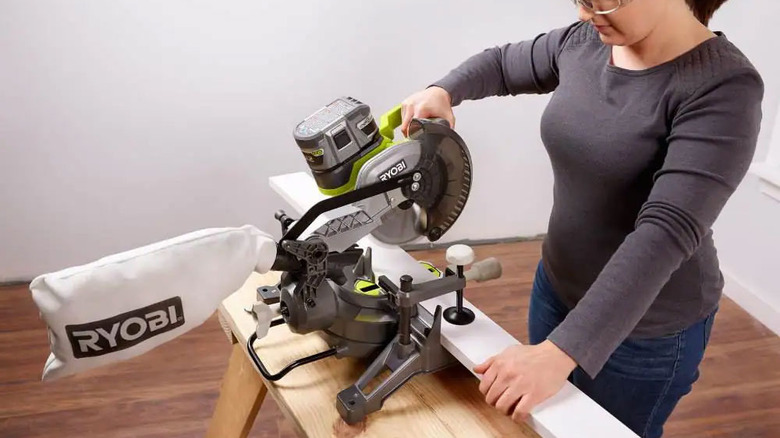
125	330
393	171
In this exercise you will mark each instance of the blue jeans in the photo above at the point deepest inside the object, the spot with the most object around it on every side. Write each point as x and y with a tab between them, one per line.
644	379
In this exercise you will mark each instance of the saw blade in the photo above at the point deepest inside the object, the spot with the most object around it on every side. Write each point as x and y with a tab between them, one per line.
401	226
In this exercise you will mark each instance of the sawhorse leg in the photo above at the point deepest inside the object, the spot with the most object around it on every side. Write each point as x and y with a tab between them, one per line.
240	398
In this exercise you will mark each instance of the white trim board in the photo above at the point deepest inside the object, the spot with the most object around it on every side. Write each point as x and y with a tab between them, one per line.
568	414
751	302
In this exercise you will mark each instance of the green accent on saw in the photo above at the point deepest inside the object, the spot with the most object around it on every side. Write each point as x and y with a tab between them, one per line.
433	269
387	126
317	152
365	287
389	122
366	317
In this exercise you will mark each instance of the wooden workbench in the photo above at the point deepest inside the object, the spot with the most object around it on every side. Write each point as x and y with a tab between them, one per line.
444	404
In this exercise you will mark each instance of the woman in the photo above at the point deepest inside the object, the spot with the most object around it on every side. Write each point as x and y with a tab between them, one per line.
652	125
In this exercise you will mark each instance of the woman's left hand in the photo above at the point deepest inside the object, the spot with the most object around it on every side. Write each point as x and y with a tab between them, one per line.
522	376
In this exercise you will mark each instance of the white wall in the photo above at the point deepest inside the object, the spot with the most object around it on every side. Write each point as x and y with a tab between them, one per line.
127	122
748	231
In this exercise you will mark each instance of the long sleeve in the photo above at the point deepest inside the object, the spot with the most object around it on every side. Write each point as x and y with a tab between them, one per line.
711	144
527	67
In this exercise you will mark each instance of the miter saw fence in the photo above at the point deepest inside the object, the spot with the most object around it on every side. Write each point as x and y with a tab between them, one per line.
397	191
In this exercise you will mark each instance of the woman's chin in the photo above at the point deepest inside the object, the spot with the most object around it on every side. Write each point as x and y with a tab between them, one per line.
611	39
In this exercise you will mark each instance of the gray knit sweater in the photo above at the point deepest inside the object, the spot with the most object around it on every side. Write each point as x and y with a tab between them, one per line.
643	163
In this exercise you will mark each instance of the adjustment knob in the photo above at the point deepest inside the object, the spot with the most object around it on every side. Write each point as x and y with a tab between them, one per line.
460	255
406	283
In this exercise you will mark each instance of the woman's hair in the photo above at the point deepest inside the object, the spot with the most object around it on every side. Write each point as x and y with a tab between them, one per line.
705	9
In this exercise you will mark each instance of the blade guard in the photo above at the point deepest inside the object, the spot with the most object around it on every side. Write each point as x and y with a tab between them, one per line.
445	165
441	157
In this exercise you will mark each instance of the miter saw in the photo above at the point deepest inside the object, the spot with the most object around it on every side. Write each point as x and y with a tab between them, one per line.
398	192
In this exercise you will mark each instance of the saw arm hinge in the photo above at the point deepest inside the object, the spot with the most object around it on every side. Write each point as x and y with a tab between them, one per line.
313	257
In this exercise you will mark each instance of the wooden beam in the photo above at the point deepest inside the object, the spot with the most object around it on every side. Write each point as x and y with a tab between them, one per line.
240	398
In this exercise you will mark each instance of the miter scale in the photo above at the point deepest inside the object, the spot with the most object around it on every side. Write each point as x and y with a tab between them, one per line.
398	192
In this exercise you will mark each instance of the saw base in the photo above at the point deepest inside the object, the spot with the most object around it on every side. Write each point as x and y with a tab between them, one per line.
424	354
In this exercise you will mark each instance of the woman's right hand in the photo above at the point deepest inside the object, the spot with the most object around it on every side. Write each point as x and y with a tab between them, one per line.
433	102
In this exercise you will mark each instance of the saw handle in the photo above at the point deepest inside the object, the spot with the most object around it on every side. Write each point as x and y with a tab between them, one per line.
417	124
391	120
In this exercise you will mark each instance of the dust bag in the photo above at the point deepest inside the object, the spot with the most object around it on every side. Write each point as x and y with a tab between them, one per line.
126	304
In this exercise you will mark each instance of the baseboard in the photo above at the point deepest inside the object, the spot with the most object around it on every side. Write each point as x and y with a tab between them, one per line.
751	302
470	242
10	283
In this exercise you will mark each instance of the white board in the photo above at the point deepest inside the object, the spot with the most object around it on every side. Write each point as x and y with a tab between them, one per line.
568	414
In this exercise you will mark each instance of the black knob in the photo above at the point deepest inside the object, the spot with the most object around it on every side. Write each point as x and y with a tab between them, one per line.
406	283
284	220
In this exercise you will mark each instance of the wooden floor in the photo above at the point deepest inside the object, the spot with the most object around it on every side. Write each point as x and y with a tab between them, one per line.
171	391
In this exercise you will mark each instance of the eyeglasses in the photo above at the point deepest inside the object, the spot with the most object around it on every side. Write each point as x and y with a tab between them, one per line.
601	7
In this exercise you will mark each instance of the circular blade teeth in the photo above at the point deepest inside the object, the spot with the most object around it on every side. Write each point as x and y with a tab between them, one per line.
445	162
456	160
